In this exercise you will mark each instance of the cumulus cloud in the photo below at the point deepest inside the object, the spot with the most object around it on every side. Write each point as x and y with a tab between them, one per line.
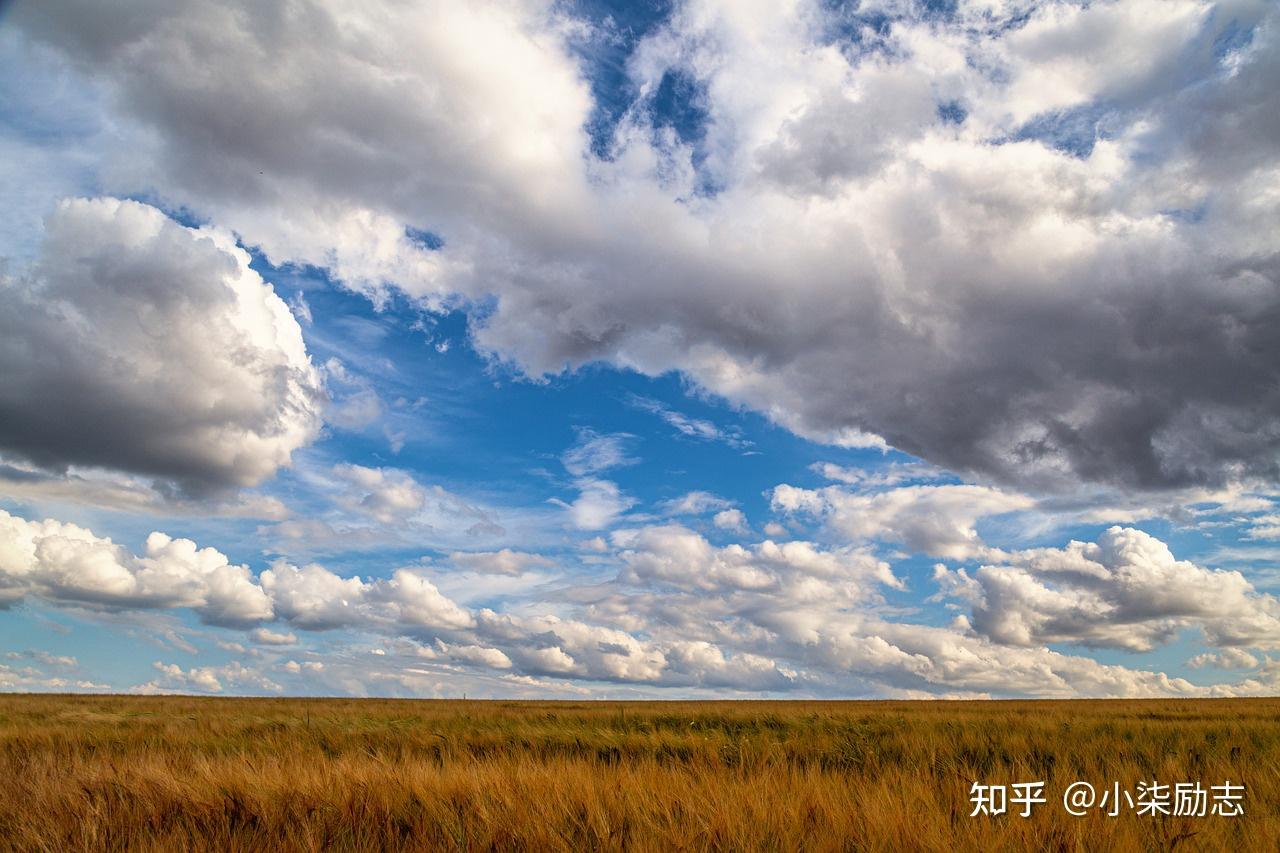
676	555
1124	591
187	364
730	519
268	637
314	598
387	494
205	679
479	655
683	613
812	612
28	679
1226	659
864	231
68	564
936	520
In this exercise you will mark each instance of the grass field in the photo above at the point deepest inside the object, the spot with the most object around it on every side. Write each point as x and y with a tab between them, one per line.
172	773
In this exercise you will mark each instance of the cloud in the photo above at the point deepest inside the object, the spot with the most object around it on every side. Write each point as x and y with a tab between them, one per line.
812	612
598	506
594	453
68	564
185	362
353	404
372	507
314	598
503	562
730	519
1265	527
676	555
356	411
30	679
478	655
690	427
1029	242
936	520
830	252
386	494
695	503
45	658
683	613
1226	659
1124	591
267	637
112	490
600	502
205	679
893	474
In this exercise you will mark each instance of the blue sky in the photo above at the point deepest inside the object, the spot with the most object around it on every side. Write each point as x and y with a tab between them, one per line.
693	349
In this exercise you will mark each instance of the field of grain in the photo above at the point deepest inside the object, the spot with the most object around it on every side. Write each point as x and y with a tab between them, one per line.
173	773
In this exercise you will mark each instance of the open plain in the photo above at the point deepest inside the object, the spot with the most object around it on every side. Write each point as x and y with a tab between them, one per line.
166	773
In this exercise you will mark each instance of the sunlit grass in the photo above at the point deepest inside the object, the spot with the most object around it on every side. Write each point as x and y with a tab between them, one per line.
167	773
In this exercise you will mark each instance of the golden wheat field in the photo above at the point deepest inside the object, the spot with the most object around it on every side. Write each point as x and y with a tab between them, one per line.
175	773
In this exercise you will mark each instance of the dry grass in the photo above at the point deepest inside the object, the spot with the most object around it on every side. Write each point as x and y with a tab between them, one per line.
170	773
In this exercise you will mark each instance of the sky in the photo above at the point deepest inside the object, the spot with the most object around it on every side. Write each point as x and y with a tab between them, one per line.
705	348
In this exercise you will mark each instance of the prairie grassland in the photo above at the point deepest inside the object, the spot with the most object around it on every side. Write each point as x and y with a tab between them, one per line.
176	773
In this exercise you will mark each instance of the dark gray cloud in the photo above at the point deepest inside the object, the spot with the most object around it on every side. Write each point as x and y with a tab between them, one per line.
136	344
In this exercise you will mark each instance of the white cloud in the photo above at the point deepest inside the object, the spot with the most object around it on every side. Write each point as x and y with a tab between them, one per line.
503	562
682	613
730	519
690	427
267	637
936	520
695	503
893	474
206	679
1226	659
598	506
314	598
69	564
45	659
373	507
30	679
776	530
355	411
1124	591
1265	527
594	453
387	494
676	555
478	655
